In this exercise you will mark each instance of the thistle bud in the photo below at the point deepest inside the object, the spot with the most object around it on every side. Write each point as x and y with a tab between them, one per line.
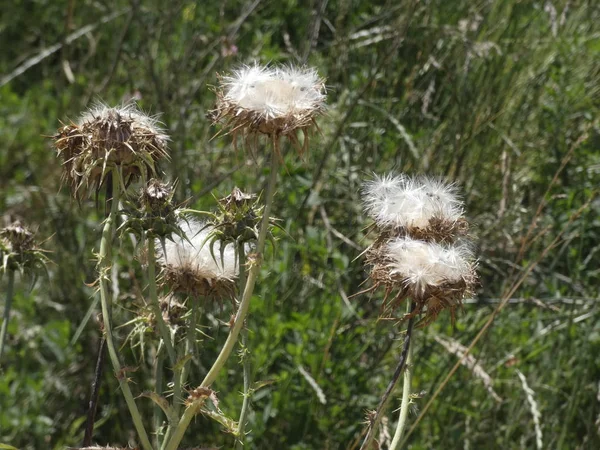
152	211
238	218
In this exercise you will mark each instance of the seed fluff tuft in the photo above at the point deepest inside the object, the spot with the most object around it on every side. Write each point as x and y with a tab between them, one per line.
418	205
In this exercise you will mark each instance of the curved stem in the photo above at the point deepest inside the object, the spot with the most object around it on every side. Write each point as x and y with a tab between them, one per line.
395	445
162	326
104	265
245	355
366	445
240	316
7	307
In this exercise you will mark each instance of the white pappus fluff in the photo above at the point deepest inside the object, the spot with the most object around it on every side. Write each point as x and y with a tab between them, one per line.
274	92
127	111
195	253
428	264
408	202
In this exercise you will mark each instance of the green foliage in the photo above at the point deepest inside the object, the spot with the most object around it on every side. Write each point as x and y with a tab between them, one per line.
496	96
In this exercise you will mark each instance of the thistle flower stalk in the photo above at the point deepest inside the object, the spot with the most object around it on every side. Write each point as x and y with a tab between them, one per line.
366	445
405	402
7	308
241	314
245	362
162	326
104	265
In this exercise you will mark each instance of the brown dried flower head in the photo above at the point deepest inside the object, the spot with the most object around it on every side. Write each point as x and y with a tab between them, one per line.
272	101
105	138
19	251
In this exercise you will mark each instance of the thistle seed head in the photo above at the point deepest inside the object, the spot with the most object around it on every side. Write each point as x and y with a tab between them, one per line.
273	101
105	138
420	251
196	264
423	207
19	251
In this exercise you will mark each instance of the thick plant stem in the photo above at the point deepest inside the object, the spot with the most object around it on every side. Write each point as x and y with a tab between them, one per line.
7	307
404	404
366	445
162	326
104	265
240	316
245	355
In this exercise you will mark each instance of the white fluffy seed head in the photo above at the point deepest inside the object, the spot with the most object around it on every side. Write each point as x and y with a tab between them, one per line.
195	253
275	92
424	265
407	202
128	112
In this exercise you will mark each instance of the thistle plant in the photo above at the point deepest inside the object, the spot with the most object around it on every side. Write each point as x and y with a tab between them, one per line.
189	263
420	256
19	252
252	102
111	147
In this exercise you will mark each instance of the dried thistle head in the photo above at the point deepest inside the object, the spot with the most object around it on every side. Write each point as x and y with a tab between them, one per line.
106	138
420	251
272	101
173	311
435	276
152	211
422	207
198	265
19	251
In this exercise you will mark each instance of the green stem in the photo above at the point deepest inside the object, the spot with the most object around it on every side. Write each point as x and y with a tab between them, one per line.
366	445
408	372
7	306
245	354
191	342
104	265
162	326
240	316
158	412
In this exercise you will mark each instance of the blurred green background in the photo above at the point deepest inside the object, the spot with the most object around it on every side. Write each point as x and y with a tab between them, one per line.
495	95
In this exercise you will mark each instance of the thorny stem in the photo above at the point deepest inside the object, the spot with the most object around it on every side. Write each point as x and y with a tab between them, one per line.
89	426
240	316
7	306
191	341
104	264
404	404
162	326
366	445
245	355
158	412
